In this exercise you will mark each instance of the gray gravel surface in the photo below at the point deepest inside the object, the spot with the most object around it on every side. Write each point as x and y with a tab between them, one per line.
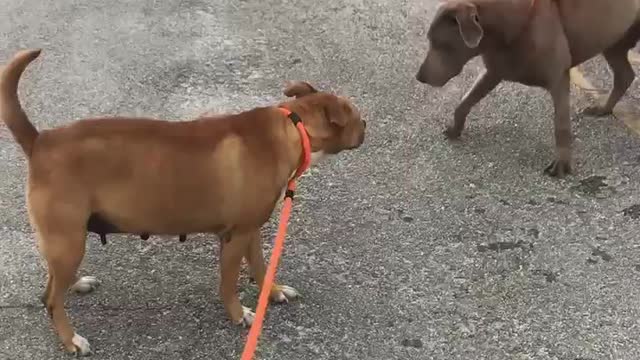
411	247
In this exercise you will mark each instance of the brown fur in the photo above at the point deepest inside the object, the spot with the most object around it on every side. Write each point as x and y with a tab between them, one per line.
218	174
533	42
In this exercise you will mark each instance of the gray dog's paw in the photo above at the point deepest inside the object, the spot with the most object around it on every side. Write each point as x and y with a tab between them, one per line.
558	169
597	110
452	132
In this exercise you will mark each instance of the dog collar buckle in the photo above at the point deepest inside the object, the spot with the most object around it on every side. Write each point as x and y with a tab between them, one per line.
306	148
304	138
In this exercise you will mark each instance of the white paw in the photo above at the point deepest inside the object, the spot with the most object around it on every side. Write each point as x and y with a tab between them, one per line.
284	293
85	285
247	317
81	344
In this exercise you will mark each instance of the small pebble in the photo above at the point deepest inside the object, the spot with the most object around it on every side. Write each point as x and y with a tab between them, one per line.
416	343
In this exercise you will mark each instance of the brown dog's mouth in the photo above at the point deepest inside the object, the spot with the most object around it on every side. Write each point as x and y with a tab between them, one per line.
361	140
356	145
317	157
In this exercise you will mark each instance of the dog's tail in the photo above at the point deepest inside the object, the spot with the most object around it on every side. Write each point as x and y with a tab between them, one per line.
11	111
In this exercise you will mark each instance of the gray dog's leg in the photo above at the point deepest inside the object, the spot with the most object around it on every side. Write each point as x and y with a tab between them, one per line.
623	74
486	82
561	166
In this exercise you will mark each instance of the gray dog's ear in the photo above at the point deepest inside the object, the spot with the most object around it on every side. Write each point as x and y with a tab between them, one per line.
298	89
469	24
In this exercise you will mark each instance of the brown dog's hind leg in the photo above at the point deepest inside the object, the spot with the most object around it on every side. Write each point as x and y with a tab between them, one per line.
63	253
561	166
60	224
255	258
484	84
623	74
233	247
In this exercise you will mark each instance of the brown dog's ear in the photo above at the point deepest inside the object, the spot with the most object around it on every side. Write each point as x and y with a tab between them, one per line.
469	24
337	113
298	89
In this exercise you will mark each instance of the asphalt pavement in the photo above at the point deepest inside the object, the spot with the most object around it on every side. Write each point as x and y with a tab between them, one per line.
411	247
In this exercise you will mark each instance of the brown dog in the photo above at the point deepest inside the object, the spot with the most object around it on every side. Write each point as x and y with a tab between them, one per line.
130	174
536	43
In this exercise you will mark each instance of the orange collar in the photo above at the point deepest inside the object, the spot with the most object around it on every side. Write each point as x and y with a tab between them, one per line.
306	147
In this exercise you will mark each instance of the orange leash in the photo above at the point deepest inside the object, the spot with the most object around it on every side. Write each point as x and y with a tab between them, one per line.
263	299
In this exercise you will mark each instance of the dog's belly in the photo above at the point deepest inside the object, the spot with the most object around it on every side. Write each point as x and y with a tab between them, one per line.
179	220
98	224
180	211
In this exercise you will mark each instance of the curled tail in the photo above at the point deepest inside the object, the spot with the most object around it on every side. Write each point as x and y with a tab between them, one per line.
11	111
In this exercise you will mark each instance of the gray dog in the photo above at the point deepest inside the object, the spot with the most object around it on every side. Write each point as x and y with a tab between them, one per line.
536	43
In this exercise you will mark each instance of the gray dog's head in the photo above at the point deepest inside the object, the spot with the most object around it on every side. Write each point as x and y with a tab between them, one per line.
454	37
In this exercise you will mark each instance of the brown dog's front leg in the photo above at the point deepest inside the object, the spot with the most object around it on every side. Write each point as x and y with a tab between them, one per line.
561	166
255	258
233	248
485	83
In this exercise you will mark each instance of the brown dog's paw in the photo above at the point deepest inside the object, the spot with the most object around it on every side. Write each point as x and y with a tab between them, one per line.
283	293
558	169
85	285
597	110
247	317
79	346
452	133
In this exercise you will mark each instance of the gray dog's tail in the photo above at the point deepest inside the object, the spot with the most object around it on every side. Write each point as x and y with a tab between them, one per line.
11	111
